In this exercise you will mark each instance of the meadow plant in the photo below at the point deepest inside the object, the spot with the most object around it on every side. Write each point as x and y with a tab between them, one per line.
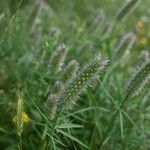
20	117
58	57
70	70
58	87
53	80
81	80
51	105
17	119
139	79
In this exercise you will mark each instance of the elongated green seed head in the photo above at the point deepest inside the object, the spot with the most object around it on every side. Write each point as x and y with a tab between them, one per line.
139	80
17	119
70	70
58	87
58	57
51	105
79	83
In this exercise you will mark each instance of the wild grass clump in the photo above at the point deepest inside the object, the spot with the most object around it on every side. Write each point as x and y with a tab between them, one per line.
68	67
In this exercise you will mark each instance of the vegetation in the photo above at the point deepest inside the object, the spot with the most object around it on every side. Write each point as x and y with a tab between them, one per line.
69	78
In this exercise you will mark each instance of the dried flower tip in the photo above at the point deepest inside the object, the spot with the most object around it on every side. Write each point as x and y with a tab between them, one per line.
139	80
79	83
126	9
58	57
58	87
51	105
71	69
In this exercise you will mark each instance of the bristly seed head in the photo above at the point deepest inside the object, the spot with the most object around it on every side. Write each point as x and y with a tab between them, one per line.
79	83
70	70
51	105
139	80
145	55
58	57
58	87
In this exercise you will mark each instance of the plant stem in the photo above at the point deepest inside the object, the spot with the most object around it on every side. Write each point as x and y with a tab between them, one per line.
20	143
56	119
112	120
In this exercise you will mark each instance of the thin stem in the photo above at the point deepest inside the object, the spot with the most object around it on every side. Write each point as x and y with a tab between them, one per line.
112	120
56	119
20	143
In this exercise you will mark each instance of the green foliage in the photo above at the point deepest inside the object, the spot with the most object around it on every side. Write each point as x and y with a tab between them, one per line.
40	78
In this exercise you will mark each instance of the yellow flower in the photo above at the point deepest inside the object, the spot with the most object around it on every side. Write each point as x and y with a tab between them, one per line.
139	24
143	41
24	118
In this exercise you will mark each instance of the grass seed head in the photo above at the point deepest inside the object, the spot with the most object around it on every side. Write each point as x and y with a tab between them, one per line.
20	117
71	70
58	57
79	83
58	87
140	79
51	105
145	55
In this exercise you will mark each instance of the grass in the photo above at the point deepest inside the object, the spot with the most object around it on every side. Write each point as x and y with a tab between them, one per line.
53	93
